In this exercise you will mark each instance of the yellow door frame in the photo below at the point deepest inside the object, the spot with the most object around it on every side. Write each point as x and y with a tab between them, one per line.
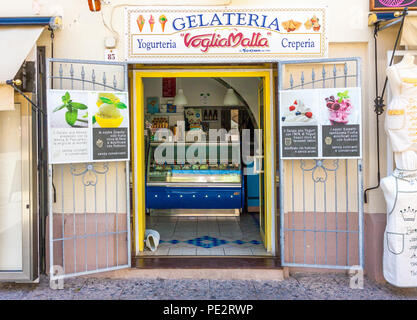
139	145
261	95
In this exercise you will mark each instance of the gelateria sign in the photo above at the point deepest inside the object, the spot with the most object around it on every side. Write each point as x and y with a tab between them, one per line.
228	34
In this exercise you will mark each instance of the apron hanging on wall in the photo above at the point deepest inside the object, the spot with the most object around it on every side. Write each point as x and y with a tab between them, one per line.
400	237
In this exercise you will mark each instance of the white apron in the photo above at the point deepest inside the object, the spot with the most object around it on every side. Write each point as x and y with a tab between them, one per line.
400	237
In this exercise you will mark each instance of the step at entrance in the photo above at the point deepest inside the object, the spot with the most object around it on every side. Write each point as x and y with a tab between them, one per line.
206	263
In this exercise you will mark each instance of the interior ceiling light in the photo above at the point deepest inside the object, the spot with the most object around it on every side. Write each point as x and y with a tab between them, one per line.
180	99
230	99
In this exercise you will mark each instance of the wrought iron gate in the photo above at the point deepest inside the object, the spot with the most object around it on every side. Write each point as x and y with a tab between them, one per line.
321	206
89	203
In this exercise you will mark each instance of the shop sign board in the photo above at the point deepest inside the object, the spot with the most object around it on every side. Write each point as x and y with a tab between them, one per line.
196	34
321	123
392	5
87	126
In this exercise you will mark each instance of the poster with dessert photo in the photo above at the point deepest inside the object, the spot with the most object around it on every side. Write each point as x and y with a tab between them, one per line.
340	106
87	126
299	107
320	123
341	122
299	116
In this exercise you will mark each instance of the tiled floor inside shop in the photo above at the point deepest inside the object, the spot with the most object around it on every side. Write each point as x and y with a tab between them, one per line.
207	236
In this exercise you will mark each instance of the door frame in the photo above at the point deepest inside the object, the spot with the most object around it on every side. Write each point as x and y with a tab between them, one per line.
138	159
28	201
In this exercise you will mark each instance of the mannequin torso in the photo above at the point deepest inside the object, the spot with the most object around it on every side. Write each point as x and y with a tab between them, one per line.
388	188
401	123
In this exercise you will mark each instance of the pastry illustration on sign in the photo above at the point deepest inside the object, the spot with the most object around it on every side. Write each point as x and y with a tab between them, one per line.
141	22
291	25
163	20
109	115
298	112
339	109
313	23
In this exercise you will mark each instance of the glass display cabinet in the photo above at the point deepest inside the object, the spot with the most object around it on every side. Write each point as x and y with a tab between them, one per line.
210	178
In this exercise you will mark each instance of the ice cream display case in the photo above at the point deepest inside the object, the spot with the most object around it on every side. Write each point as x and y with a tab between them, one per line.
211	181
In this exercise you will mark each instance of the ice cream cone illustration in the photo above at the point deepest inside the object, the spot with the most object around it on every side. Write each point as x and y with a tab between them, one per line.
141	22
151	22
162	21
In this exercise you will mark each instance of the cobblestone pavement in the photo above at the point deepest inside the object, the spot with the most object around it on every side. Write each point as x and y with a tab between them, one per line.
298	286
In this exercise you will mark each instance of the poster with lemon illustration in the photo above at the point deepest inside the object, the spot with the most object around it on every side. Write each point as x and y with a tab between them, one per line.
87	126
110	119
111	110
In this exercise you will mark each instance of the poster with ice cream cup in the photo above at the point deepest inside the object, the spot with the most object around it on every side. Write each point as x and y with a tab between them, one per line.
109	110
110	118
299	107
341	131
320	123
340	106
87	126
299	120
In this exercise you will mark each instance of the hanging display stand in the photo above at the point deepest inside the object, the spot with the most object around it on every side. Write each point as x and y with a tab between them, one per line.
390	20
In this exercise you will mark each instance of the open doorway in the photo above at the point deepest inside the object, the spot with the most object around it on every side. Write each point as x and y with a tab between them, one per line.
204	194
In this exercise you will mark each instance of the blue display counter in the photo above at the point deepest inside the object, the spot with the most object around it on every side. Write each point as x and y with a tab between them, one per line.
206	184
194	197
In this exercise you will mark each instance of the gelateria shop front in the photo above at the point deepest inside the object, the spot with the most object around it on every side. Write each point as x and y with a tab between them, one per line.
228	138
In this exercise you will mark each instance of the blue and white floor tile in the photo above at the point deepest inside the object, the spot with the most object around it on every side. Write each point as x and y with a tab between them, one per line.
207	236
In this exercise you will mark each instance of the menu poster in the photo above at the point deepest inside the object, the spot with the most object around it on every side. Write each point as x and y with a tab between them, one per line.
87	126
169	87
320	123
300	141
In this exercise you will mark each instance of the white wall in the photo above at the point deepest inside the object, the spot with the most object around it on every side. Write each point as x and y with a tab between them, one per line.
84	29
82	37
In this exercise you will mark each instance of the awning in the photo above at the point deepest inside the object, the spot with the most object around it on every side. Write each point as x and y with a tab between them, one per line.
409	34
17	43
6	98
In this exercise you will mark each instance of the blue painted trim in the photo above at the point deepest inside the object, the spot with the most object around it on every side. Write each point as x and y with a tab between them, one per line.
385	16
26	21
